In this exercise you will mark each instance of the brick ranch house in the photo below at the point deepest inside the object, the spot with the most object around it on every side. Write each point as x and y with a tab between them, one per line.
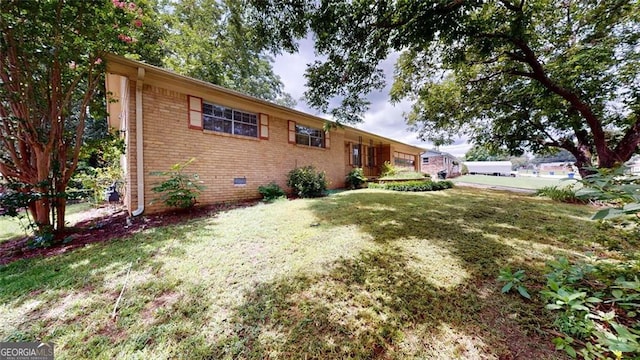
433	161
239	142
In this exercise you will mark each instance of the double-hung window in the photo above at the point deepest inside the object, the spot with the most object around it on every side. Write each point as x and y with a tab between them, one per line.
309	136
230	121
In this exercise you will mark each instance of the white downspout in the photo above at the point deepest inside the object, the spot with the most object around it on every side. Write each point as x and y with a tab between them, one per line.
139	144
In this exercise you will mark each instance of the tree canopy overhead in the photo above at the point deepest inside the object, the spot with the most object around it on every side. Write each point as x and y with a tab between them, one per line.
520	75
210	40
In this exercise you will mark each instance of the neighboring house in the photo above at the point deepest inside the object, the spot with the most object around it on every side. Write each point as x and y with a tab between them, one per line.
634	165
496	168
433	161
555	168
239	142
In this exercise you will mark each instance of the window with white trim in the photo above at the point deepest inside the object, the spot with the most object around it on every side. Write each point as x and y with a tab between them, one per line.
309	136
223	119
425	160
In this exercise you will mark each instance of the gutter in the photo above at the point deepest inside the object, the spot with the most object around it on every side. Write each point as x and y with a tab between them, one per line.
139	143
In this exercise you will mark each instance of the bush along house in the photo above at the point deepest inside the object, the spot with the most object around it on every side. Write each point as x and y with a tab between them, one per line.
239	142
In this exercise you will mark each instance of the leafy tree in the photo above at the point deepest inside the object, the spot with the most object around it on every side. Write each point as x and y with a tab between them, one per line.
210	40
519	162
50	70
514	74
481	153
558	156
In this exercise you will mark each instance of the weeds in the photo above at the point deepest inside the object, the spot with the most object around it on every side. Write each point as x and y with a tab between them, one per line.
565	194
513	281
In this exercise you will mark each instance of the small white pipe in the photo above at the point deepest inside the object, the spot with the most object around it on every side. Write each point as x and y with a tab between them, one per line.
139	144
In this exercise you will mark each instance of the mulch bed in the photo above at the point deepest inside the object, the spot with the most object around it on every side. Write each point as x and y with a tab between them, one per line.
117	224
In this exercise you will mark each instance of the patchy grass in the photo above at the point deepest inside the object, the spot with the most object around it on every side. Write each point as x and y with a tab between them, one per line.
360	274
523	182
12	227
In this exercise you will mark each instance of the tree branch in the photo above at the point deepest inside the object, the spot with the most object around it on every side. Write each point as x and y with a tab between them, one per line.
486	78
540	75
511	6
629	143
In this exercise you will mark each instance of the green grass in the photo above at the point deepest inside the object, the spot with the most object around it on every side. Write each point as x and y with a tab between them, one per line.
360	274
11	227
523	182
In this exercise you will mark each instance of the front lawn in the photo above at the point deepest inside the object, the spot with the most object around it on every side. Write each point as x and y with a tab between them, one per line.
522	182
360	274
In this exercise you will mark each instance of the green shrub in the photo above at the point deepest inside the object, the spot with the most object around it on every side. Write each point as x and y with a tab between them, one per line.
562	194
417	185
464	170
179	190
355	178
271	192
405	175
387	169
614	187
307	182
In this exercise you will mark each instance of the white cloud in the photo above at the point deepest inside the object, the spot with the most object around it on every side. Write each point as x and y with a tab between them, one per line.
382	118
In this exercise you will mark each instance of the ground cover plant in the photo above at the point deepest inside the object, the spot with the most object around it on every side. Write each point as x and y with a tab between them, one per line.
359	274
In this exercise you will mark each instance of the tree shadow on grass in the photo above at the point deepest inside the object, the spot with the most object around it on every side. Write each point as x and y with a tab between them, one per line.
47	295
385	304
376	306
464	222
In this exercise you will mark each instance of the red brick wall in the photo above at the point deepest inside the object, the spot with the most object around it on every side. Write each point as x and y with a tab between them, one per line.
436	163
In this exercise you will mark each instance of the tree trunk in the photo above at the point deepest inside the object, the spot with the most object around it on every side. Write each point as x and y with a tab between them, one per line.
41	215
583	158
61	207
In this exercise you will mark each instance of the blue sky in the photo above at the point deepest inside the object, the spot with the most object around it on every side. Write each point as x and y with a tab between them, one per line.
382	118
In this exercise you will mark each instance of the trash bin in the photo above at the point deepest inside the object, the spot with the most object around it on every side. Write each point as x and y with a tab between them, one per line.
570	175
442	174
551	172
111	194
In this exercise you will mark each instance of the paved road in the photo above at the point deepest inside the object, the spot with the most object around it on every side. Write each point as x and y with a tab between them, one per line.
497	187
